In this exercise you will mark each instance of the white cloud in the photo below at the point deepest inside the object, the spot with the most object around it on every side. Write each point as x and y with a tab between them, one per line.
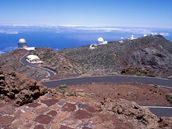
1	52
104	29
8	32
109	29
160	33
164	34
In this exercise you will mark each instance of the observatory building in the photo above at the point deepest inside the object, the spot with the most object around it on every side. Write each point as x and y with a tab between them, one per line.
132	37
93	46
34	59
101	41
122	40
22	43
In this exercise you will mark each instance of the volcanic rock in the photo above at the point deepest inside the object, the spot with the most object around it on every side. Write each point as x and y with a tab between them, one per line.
18	88
124	109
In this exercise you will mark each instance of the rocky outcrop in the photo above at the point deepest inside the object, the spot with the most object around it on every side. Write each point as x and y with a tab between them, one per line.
11	61
141	117
2	83
54	111
49	112
22	90
165	123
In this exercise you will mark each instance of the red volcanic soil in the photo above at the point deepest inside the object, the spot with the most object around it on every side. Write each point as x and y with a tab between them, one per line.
141	94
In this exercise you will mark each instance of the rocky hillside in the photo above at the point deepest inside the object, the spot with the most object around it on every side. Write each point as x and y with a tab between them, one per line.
11	61
15	87
38	108
147	56
79	112
150	56
63	66
59	63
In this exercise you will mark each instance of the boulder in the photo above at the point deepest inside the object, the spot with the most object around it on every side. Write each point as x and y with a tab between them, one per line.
131	111
16	87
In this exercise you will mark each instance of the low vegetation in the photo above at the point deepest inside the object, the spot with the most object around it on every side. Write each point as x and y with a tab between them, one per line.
61	89
148	56
169	98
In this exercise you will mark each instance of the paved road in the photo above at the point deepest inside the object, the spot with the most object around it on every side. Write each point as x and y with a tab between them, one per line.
110	79
159	111
24	62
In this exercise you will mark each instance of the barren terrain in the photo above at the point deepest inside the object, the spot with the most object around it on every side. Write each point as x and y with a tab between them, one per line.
142	94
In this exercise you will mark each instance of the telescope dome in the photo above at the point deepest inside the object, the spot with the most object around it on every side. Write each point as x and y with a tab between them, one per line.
22	41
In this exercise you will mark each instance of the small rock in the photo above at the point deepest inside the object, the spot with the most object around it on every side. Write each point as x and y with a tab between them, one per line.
52	113
6	120
61	102
81	114
65	127
23	97
82	106
39	127
91	109
69	107
35	104
50	102
43	119
2	77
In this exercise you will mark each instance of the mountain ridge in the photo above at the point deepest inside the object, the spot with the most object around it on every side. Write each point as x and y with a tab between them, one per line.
146	53
145	56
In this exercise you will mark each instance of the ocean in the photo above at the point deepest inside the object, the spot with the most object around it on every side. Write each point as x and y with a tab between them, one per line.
61	37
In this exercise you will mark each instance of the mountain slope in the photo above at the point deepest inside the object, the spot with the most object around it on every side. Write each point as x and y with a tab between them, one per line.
59	63
17	87
11	61
150	56
147	56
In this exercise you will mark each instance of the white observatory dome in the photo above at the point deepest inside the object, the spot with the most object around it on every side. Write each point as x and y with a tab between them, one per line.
22	41
100	40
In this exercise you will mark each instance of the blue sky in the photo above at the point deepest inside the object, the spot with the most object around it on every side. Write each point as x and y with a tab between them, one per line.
129	13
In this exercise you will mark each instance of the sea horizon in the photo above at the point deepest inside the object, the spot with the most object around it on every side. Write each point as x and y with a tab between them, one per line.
69	36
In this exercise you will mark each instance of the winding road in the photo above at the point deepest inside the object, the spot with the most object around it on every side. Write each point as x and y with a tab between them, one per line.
158	110
110	79
23	61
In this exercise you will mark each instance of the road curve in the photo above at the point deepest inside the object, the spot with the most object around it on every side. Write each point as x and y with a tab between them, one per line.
110	79
159	111
23	61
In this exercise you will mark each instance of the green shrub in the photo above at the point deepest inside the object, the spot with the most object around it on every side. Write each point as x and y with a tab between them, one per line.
169	98
71	94
61	89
